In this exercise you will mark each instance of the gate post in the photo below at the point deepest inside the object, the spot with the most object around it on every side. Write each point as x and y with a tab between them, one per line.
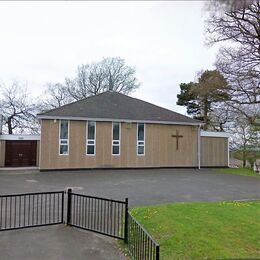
126	221
157	257
68	206
62	208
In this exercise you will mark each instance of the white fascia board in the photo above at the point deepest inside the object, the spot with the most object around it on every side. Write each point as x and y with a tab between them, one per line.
20	137
117	120
214	134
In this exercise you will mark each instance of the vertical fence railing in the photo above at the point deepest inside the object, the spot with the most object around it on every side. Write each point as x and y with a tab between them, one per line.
97	214
101	215
141	245
31	210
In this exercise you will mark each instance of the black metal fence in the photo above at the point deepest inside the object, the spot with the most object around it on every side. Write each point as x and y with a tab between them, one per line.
31	210
141	245
101	215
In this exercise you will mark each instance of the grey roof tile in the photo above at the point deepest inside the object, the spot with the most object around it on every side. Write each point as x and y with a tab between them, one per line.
114	105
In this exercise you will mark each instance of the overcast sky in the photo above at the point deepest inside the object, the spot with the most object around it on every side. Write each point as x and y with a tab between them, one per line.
44	42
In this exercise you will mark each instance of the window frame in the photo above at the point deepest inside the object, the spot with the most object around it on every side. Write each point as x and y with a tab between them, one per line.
91	140
62	140
140	143
114	140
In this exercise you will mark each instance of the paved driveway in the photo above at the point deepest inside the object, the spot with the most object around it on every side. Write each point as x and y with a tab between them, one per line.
142	187
57	243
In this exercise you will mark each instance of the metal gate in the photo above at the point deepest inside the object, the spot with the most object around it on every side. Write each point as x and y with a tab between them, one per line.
31	210
105	216
101	215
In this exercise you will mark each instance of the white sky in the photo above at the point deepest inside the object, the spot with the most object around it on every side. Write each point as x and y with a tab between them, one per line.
44	42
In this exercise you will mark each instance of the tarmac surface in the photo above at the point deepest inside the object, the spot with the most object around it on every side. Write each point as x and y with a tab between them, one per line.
58	242
141	186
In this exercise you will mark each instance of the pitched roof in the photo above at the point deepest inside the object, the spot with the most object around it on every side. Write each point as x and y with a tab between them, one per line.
110	105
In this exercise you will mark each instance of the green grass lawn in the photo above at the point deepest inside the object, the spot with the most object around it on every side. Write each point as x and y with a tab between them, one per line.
239	171
210	230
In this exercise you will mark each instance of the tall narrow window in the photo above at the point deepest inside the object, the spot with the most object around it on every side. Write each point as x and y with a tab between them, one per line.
140	139
91	137
116	138
64	137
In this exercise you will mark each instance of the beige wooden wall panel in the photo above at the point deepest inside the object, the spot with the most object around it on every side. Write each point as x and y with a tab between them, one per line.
2	153
214	151
38	153
160	147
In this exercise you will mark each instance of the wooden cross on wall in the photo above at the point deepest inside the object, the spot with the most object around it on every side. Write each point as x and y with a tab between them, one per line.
177	136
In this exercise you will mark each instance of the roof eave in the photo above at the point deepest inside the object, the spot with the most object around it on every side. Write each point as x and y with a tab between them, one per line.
214	134
118	120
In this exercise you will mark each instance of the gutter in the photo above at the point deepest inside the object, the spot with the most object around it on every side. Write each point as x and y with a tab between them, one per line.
116	120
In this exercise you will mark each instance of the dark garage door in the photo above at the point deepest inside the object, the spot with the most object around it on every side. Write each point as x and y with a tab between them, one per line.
20	153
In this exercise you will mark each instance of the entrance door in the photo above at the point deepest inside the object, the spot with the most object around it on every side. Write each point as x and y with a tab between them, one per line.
20	153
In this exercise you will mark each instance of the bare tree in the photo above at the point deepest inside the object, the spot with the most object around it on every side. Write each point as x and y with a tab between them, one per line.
90	80
18	111
54	96
221	117
244	83
245	138
108	74
238	24
118	76
221	6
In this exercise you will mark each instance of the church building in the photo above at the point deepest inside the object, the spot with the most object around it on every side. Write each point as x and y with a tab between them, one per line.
112	130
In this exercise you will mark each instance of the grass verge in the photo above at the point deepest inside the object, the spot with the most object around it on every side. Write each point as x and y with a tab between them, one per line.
210	230
239	171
